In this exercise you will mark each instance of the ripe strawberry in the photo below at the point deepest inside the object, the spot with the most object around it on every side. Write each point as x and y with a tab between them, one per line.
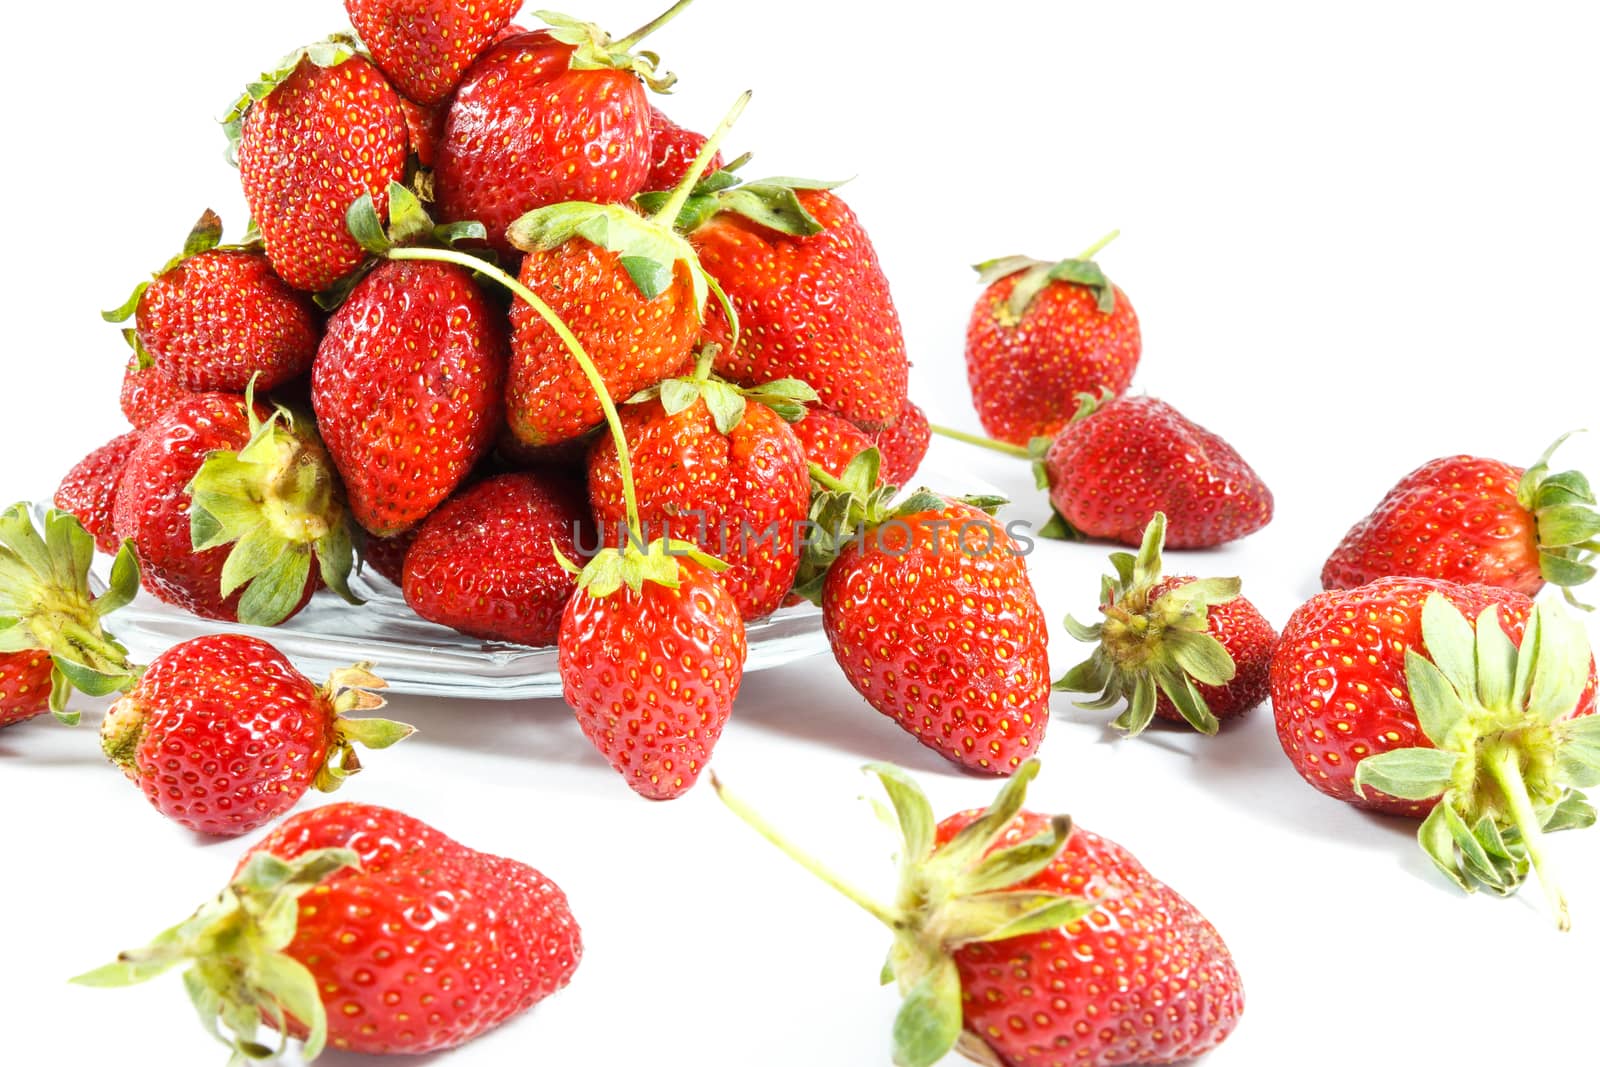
829	441
424	127
408	389
903	445
463	941
547	117
1042	333
1021	939
1122	460
280	130
89	491
710	469
1189	650
216	470
1388	698
1466	519
387	555
652	652
423	46
216	317
485	563
672	152
223	734
147	393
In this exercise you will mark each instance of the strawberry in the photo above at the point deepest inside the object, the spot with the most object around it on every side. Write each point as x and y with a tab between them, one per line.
1024	940
279	130
223	734
672	152
830	441
424	46
1472	520
903	445
424	127
50	621
542	118
463	941
1189	650
651	653
216	317
1388	698
387	555
89	491
146	392
713	470
219	470
486	562
408	388
1042	333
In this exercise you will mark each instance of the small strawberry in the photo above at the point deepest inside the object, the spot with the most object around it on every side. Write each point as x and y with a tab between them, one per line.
50	621
325	120
830	441
1187	649
146	392
672	153
424	127
223	734
486	562
424	46
1471	520
903	446
1387	697
1042	333
542	118
1023	940
387	555
89	491
458	941
216	318
219	470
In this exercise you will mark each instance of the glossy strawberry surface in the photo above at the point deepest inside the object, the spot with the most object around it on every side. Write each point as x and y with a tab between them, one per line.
1249	640
424	46
89	491
672	151
24	685
386	556
830	441
147	394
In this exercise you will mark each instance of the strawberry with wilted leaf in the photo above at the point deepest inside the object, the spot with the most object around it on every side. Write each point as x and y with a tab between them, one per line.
1190	650
424	46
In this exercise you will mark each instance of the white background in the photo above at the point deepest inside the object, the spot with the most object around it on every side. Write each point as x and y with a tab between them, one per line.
1358	237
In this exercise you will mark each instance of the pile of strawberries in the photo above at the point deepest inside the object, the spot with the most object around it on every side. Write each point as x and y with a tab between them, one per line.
503	332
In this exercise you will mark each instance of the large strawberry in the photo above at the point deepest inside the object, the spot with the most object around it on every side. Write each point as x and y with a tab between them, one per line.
425	45
486	562
52	639
1468	519
364	929
1023	940
89	491
1189	650
218	470
1387	697
541	118
223	734
1042	333
311	138
216	318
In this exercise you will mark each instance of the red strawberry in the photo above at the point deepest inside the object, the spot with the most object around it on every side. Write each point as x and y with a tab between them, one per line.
424	127
485	563
1023	940
217	470
224	735
1122	460
1042	333
217	318
463	941
1465	519
652	652
717	472
147	393
425	45
281	130
1186	649
542	118
903	445
829	441
1388	698
408	389
25	679
387	555
89	491
672	152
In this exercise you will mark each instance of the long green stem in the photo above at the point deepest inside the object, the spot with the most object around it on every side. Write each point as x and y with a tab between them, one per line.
1503	767
652	26
982	442
668	214
820	475
1089	253
574	346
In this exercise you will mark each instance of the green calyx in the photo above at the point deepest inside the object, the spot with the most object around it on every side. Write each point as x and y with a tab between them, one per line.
205	236
409	226
1057	528
277	502
770	202
725	401
1037	275
240	973
1507	762
632	564
46	604
950	895
329	53
593	48
355	689
1149	645
1567	522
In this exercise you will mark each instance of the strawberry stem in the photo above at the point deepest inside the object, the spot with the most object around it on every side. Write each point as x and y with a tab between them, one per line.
668	214
1089	253
982	442
826	480
652	26
1503	766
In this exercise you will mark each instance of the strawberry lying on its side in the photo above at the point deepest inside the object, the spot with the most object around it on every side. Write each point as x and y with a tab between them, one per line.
346	892
423	46
1023	940
1471	520
223	734
89	491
